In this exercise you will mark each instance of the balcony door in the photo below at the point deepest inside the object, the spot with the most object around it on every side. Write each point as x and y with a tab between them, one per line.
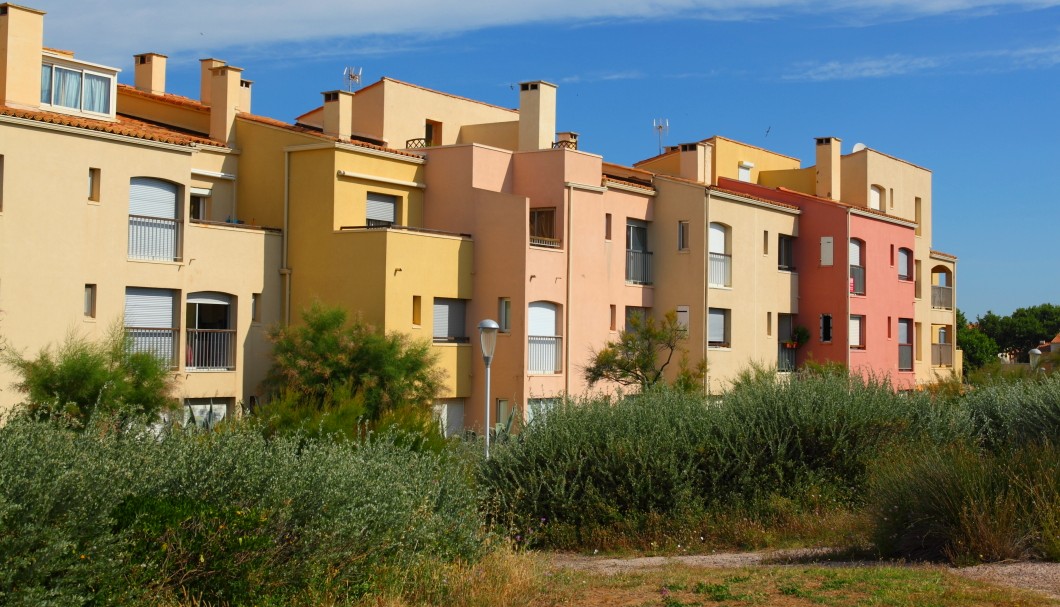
211	332
153	223
149	321
543	347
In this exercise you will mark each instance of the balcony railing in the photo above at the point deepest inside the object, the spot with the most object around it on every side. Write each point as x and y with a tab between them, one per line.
942	355
905	357
720	273
565	144
785	359
544	354
638	267
419	142
857	280
548	243
211	350
160	342
154	238
942	297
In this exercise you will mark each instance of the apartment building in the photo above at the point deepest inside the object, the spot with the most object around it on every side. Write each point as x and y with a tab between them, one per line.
198	224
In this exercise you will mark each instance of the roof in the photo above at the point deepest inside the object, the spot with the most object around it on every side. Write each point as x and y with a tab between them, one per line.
748	145
895	158
633	183
941	254
305	130
169	98
124	125
775	203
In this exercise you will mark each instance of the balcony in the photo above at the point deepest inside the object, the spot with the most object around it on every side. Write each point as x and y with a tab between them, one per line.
160	342
905	357
638	267
417	143
543	241
942	355
565	144
544	354
857	280
720	272
154	238
785	359
942	297
211	350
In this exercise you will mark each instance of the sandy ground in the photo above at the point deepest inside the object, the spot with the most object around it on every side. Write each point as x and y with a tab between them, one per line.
1040	577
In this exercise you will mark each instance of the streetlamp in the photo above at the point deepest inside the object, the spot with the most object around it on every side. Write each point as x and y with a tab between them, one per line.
487	334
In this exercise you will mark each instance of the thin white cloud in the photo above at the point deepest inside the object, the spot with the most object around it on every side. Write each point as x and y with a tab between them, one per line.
879	67
111	31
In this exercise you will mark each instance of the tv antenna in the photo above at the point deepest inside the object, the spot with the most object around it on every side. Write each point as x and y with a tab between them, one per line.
661	126
351	75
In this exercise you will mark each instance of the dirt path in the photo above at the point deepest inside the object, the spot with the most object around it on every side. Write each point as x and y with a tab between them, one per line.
1040	577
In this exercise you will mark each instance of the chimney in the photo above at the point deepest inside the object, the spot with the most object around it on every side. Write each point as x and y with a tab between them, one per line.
338	114
224	102
244	95
567	140
537	115
206	67
828	167
695	161
150	73
21	43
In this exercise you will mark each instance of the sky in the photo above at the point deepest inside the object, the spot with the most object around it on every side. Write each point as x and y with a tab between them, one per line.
969	89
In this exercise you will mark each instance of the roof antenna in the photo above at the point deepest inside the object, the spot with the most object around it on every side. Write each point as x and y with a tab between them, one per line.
351	75
661	126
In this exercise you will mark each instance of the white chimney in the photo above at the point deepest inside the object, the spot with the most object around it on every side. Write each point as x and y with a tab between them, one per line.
537	115
150	73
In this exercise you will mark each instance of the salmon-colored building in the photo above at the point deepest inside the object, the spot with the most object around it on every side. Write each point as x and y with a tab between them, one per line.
424	213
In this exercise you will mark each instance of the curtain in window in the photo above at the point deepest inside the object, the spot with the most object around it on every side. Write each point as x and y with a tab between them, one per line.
67	88
46	83
97	94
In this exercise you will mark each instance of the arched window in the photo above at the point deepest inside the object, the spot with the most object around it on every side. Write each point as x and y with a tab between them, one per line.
857	266
876	198
719	245
905	264
941	288
154	225
544	347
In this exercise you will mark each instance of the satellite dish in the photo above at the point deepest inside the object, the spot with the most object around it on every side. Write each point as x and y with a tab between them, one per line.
858	147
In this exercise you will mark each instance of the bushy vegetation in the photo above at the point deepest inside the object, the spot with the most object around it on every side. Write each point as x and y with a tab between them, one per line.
223	517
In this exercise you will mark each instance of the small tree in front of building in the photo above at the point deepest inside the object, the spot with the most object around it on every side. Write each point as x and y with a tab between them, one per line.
642	354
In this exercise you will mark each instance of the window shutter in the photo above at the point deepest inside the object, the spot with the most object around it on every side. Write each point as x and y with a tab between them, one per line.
717	238
152	198
855	252
148	308
380	207
716	329
542	319
826	251
449	318
855	330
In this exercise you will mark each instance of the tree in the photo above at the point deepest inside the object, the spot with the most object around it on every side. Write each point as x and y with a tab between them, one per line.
383	371
641	355
77	379
978	347
1021	331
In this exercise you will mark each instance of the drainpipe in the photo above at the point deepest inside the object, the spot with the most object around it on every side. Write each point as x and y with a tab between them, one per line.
847	291
706	306
567	310
284	269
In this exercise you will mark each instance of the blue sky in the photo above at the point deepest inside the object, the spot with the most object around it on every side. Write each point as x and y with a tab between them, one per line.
967	88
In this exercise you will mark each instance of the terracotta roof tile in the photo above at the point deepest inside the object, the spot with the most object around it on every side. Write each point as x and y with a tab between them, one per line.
776	203
633	183
941	254
169	98
298	128
124	125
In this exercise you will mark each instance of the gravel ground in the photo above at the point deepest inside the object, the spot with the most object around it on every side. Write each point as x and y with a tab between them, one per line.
1040	577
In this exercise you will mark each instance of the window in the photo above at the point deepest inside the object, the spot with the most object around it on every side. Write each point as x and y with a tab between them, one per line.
90	301
450	414
151	321
417	310
634	312
905	264
719	273
380	210
638	257
916	331
905	344
432	132
682	318
503	412
255	307
544	345
504	314
876	196
93	184
197	212
916	214
607	226
211	332
206	413
614	317
154	230
543	228
539	408
718	328
765	242
744	172
826	328
769	324
857	266
786	252
449	315
76	89
857	332
682	236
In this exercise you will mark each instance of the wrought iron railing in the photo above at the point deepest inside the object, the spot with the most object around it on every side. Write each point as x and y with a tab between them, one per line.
211	350
160	342
638	267
785	359
942	355
544	354
154	238
905	357
942	297
419	142
857	280
720	272
542	241
565	144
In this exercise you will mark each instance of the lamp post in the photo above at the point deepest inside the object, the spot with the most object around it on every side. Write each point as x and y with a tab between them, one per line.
487	334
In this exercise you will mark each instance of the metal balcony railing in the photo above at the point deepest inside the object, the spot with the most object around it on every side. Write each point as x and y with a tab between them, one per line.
857	280
211	350
419	142
942	355
785	359
565	144
154	238
544	354
720	272
942	297
638	267
543	241
160	342
905	357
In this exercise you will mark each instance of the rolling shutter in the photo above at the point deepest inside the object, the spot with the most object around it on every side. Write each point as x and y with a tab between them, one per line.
716	242
449	318
716	325
380	208
148	308
542	318
152	198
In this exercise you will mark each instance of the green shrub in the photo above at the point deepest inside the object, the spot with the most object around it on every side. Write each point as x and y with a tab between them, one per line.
225	517
1012	413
